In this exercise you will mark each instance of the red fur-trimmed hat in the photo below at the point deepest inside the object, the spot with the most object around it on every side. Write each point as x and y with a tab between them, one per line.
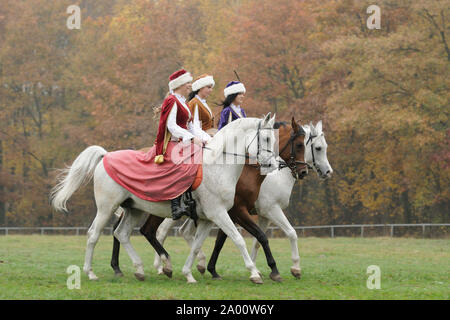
178	78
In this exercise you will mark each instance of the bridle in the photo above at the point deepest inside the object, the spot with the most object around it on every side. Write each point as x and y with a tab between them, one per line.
310	139
292	163
259	149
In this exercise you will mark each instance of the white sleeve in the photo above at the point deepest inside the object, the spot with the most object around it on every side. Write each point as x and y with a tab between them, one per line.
196	117
195	129
176	130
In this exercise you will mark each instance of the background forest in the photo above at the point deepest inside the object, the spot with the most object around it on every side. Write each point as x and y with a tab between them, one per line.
383	95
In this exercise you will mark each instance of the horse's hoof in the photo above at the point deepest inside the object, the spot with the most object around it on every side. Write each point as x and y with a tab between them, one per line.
191	280
256	280
139	276
296	272
118	274
167	272
215	275
276	277
260	274
92	276
201	269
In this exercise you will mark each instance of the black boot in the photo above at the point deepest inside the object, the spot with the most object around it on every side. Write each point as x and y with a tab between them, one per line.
192	206
177	210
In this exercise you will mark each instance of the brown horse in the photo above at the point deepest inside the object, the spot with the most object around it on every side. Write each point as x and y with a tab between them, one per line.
247	191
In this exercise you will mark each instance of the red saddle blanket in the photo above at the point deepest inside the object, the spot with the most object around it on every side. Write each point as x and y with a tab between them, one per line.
137	171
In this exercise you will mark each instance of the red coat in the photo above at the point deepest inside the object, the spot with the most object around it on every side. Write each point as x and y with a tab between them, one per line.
163	135
146	174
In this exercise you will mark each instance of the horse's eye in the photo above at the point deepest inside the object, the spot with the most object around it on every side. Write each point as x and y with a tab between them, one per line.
299	145
319	148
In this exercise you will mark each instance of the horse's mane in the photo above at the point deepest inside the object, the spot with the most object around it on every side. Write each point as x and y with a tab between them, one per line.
216	143
278	124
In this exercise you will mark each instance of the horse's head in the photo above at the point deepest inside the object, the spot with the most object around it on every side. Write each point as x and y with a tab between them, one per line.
244	139
316	150
261	144
292	149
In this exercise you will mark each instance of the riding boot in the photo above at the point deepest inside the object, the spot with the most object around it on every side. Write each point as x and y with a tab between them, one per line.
177	210
192	205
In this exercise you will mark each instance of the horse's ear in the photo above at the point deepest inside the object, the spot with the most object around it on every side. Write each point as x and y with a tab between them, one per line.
294	125
319	127
272	120
266	119
312	128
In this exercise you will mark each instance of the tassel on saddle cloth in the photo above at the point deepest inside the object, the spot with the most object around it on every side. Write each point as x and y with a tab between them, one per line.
160	158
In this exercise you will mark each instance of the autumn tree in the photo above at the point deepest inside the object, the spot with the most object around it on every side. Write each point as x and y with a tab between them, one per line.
382	94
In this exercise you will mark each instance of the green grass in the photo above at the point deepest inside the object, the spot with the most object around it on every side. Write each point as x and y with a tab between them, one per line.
34	267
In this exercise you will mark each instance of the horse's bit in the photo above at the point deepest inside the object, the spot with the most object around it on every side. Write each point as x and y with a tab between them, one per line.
292	163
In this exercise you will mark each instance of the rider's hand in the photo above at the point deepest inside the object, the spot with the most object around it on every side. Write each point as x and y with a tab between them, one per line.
197	141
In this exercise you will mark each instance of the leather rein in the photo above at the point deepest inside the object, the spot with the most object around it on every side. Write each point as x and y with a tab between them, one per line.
292	163
246	155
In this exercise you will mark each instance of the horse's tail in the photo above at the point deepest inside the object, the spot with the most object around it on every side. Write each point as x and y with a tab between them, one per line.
73	177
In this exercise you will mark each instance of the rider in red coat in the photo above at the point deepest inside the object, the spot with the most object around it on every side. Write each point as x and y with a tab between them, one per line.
168	169
176	124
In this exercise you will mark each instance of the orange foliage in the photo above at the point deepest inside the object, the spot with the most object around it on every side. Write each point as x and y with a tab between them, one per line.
382	94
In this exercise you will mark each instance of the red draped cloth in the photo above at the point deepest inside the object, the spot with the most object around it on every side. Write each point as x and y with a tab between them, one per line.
137	172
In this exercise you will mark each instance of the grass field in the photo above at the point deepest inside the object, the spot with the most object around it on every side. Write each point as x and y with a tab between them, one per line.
34	267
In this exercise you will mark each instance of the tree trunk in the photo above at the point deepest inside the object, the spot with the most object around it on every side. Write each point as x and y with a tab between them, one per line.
406	206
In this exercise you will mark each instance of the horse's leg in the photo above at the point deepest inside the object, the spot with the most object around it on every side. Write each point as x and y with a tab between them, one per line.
149	231
203	228
224	222
104	212
277	217
188	231
263	225
123	232
115	252
220	240
244	219
161	235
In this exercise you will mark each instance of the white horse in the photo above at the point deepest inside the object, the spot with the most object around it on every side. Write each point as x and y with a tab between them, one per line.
273	197
214	197
277	188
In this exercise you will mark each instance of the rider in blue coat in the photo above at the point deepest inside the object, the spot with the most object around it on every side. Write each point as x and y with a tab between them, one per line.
234	96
